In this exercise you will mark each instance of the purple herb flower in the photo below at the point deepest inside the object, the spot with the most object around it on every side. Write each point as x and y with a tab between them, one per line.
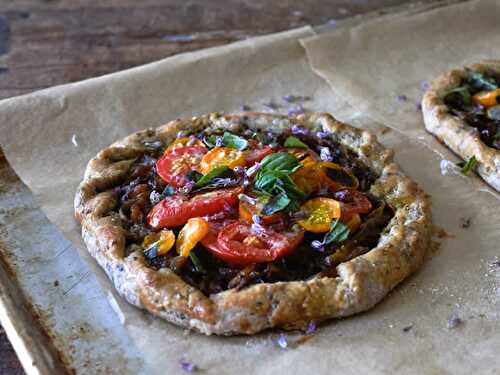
402	98
192	140
253	169
322	135
257	229
181	134
245	198
454	322
297	109
187	366
281	341
311	328
299	130
257	219
218	141
154	197
318	245
289	98
325	154
245	107
424	85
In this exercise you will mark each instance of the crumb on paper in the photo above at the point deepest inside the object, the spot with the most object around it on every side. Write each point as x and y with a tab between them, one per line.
402	98
465	222
74	140
408	328
56	283
245	107
453	322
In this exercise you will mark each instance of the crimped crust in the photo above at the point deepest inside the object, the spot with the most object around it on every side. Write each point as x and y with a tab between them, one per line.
360	284
463	139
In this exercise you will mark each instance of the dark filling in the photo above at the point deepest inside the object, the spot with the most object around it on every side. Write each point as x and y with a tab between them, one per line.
461	104
201	269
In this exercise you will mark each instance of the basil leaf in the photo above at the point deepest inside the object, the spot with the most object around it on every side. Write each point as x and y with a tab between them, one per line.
210	141
198	265
234	141
168	191
152	250
338	233
193	175
210	176
481	81
275	204
470	165
294	142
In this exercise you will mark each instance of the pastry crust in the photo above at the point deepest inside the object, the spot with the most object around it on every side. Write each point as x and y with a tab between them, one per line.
461	138
360	284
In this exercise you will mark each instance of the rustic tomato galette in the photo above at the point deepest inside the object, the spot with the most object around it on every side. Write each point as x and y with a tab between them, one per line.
462	109
236	223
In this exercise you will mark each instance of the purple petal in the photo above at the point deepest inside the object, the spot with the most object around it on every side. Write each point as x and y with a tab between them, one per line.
418	106
270	106
281	341
424	85
402	98
257	219
289	98
187	366
318	245
218	141
181	134
311	327
296	110
332	22
245	107
322	135
253	169
245	198
325	154
299	130
257	229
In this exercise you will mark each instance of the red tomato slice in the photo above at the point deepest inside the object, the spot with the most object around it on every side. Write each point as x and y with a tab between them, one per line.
353	201
177	210
173	166
238	244
252	156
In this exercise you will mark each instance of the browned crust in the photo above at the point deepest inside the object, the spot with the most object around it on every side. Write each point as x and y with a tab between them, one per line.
461	138
360	283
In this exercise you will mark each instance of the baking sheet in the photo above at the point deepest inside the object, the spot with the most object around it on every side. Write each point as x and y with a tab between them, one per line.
37	132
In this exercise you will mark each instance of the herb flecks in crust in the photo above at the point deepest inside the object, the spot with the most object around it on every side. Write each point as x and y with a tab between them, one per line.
237	223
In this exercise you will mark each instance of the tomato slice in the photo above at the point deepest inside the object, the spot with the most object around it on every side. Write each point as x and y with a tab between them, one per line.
255	155
173	166
220	156
181	142
238	244
353	201
193	232
177	210
310	177
319	214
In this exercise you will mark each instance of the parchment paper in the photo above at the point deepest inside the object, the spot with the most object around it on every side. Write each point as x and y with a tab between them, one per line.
36	133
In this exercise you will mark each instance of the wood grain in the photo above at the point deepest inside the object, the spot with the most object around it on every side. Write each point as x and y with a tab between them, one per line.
51	42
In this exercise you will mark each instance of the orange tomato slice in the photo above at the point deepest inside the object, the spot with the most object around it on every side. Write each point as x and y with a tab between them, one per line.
165	239
193	232
309	178
220	156
487	98
181	142
319	214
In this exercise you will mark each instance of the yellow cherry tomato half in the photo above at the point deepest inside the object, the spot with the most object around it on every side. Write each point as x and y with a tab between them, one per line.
219	156
337	177
165	239
181	142
487	98
310	177
319	214
191	233
247	211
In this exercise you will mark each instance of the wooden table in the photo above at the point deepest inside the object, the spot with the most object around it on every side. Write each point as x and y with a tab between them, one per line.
51	42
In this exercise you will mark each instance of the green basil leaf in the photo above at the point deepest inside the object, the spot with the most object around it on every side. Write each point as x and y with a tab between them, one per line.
481	81
470	165
198	265
210	176
294	142
275	204
193	176
210	141
234	141
338	233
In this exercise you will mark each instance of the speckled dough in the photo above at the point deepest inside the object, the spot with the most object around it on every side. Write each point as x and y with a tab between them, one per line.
456	133
360	284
